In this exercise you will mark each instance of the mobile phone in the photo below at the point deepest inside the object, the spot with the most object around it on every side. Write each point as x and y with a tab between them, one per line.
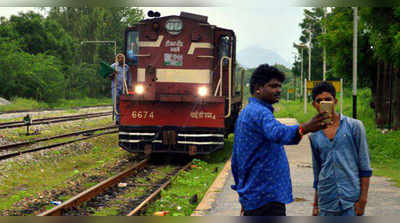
327	106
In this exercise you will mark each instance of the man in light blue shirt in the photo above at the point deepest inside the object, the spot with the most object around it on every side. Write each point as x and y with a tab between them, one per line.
341	162
117	88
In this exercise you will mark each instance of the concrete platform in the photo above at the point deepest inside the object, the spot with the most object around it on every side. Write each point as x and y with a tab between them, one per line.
221	200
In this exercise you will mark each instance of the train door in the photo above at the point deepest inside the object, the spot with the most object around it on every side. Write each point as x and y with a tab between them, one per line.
225	62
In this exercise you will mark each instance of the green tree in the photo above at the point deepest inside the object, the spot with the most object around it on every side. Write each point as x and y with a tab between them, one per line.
31	76
311	23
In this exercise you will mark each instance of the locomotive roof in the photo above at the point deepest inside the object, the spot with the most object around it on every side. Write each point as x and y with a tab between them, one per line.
186	15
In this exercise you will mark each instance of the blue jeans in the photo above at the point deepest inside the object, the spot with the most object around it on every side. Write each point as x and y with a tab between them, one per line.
347	212
119	92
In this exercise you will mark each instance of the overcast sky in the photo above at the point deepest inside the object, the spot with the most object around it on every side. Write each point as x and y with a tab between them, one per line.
262	25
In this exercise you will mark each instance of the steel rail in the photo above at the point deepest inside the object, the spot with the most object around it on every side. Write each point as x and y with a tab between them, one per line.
17	145
55	120
93	191
10	155
57	117
153	195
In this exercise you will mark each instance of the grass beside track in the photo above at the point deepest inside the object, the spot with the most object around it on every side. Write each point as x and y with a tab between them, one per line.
176	198
29	178
23	104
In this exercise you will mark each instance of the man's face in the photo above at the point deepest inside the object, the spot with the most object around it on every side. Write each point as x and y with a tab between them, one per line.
271	91
120	59
324	96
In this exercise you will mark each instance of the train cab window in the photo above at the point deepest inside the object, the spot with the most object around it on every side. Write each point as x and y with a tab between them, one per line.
224	48
132	47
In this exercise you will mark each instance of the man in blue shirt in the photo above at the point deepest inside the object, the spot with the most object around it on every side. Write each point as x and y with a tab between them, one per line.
122	82
259	164
340	162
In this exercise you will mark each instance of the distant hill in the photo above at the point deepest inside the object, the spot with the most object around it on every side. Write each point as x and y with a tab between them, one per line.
253	56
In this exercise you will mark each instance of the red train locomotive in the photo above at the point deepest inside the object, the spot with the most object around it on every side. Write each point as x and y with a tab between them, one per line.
186	94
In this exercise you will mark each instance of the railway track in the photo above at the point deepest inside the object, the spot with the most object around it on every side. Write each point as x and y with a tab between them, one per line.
89	136
52	120
53	110
97	190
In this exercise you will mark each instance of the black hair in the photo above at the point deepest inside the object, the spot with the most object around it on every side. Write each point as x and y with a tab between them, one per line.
321	87
263	74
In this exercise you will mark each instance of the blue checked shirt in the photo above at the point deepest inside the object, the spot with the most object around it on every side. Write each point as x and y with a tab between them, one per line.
339	164
259	164
120	78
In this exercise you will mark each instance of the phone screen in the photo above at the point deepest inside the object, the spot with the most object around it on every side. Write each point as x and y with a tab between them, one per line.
327	106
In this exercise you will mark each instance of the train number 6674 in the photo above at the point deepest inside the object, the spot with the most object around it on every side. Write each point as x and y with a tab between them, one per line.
142	115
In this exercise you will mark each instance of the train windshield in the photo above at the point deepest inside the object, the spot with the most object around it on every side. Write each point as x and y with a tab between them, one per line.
224	46
132	47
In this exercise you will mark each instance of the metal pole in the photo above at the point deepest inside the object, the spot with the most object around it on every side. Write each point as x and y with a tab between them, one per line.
115	48
355	32
305	95
309	57
341	95
301	78
324	52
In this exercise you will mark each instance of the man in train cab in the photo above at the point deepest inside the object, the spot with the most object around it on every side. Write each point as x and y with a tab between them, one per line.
341	161
131	54
117	87
259	164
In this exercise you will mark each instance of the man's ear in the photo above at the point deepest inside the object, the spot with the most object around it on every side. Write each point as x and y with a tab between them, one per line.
314	104
257	89
335	101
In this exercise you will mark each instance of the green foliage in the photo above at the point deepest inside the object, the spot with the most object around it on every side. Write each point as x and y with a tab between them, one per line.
42	58
384	29
30	76
338	41
315	25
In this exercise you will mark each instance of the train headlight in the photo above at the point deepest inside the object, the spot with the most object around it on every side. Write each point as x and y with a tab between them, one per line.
203	91
139	89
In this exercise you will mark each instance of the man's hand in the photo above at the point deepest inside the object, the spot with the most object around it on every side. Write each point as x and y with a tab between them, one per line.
359	207
316	123
315	211
112	75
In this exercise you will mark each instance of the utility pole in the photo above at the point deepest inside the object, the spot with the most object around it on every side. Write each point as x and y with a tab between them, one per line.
310	44
309	55
301	46
324	51
301	74
355	36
